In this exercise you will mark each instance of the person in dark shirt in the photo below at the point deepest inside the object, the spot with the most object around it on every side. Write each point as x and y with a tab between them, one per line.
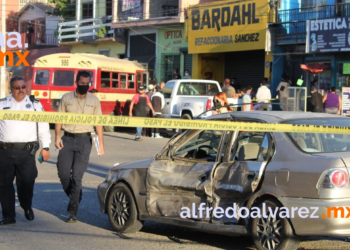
316	101
176	74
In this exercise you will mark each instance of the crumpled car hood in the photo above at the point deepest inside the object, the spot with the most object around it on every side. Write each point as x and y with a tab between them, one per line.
134	164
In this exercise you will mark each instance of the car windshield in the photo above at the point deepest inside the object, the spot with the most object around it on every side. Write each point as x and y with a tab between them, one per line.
321	143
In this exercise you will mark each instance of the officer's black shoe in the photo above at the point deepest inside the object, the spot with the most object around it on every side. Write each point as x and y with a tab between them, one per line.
72	210
7	221
29	214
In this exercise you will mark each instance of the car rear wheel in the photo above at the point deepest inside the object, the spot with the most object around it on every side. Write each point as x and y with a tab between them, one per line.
273	233
122	212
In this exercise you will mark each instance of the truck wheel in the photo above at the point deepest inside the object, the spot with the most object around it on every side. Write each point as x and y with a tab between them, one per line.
186	116
121	209
272	233
109	128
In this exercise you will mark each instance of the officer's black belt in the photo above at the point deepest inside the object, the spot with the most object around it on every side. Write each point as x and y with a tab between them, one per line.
77	135
20	145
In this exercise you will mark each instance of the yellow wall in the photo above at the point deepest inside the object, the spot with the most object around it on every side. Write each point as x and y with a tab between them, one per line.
115	49
208	66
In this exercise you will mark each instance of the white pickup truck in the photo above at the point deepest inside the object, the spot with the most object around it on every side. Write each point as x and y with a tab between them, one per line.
187	98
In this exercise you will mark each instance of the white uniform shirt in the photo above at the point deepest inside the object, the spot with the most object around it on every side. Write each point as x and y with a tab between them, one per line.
21	131
263	94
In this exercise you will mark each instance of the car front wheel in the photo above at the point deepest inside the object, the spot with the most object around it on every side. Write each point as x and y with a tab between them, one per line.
122	212
273	232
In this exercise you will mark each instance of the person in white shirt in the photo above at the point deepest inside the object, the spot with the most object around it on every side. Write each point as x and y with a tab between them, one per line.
246	100
158	103
19	141
263	96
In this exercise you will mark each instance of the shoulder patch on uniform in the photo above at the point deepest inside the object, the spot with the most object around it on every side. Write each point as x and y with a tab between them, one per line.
36	100
3	99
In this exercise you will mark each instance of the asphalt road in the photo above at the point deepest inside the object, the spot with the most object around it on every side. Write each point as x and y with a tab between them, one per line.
50	231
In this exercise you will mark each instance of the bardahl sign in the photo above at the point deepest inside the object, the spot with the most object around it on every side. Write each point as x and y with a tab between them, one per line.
230	26
328	35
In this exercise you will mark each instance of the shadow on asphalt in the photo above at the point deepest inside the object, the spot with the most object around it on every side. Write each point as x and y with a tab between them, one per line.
50	198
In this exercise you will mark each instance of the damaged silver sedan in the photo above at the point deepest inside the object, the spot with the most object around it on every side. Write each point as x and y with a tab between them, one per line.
276	187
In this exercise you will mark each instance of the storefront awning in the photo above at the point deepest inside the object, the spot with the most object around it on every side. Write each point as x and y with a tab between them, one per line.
314	68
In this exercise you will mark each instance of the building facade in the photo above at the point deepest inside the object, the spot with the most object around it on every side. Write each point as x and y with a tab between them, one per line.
91	32
313	34
227	40
154	31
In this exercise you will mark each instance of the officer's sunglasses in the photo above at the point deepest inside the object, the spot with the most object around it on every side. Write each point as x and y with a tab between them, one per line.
18	88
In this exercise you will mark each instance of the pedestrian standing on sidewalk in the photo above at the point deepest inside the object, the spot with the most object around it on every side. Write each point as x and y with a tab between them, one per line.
263	96
332	102
148	131
219	101
158	104
138	105
19	141
316	100
75	145
228	89
283	92
246	100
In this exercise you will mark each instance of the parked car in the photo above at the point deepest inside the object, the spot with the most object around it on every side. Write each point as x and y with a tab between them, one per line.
246	168
187	99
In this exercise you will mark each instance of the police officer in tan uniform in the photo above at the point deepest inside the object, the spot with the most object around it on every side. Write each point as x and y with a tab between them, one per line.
75	145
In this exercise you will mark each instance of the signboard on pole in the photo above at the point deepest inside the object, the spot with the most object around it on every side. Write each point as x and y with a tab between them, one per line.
346	101
328	35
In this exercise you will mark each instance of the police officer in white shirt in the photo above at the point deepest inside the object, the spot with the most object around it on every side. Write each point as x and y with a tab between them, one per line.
18	145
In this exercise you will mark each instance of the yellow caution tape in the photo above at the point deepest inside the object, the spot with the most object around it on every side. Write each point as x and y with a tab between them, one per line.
125	121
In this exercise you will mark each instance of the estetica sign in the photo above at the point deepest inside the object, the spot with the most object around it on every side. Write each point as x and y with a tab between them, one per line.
13	41
328	35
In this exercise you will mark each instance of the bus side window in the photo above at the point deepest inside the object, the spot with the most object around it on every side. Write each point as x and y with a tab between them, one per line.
105	80
131	79
115	80
123	81
42	77
139	80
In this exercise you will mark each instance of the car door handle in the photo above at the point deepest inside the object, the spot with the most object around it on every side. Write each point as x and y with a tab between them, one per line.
203	177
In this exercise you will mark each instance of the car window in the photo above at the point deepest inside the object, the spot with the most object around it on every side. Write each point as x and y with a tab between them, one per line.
201	145
63	78
250	146
167	89
192	88
42	77
325	143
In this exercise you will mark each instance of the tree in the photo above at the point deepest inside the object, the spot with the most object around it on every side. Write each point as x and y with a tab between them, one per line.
11	22
65	9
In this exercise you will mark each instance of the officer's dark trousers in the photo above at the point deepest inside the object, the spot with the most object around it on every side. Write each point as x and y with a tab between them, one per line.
20	164
73	160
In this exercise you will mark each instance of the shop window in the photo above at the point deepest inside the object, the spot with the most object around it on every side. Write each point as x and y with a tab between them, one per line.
63	78
122	81
169	63
312	3
343	75
115	81
105	80
131	80
42	77
109	9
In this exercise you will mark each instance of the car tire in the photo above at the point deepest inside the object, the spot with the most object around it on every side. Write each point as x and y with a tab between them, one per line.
267	232
186	116
122	211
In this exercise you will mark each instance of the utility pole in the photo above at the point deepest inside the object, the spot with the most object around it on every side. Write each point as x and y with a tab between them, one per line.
3	75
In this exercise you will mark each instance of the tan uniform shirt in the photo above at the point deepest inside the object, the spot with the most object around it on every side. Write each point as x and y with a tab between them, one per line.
71	103
284	92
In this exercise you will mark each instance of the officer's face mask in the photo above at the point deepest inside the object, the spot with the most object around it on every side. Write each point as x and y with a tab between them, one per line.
186	74
83	89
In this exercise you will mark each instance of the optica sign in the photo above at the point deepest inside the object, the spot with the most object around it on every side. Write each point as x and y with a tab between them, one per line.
227	26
